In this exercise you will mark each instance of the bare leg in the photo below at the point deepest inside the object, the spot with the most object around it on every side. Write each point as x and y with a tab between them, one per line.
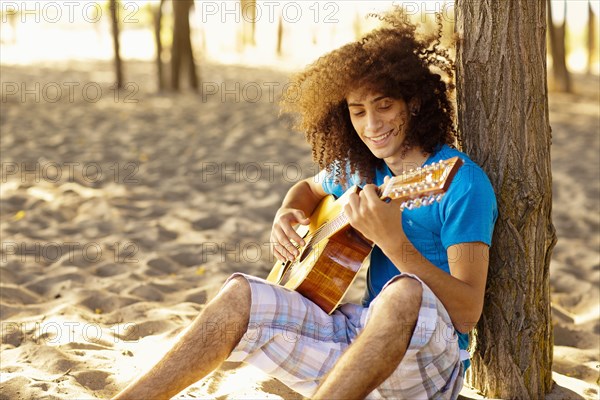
378	350
200	349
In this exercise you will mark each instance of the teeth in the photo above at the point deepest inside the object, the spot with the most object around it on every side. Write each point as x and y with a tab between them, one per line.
381	137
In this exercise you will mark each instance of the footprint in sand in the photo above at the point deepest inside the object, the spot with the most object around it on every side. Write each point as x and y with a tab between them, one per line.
54	285
12	272
166	288
17	295
93	380
206	223
12	334
197	296
105	303
13	204
108	270
137	331
153	212
147	292
165	235
188	259
160	266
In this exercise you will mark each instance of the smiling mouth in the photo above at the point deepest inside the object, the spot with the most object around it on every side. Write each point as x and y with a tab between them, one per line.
381	138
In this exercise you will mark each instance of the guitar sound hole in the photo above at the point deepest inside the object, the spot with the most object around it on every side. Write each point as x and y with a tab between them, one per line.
305	252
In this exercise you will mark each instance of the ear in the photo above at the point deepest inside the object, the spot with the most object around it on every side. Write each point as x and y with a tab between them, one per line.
414	105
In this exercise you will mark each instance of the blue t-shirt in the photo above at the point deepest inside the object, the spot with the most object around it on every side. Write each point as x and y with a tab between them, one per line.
466	213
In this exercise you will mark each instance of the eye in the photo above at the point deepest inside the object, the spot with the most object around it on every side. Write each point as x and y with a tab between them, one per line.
385	106
358	113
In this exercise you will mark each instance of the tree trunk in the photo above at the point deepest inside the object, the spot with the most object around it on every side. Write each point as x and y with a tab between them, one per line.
503	119
116	44
591	38
248	22
562	78
280	36
159	47
182	44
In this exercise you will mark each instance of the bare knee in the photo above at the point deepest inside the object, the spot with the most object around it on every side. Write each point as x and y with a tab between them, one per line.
401	299
237	289
402	289
231	306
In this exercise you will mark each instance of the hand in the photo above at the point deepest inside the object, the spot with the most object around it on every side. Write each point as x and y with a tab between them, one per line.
377	220
283	233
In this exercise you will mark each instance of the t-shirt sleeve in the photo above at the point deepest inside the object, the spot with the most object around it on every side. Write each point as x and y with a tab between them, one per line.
329	184
468	210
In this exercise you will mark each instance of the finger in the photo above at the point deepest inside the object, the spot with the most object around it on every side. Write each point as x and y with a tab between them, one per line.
369	192
286	255
278	255
301	218
285	246
353	201
281	254
351	209
291	234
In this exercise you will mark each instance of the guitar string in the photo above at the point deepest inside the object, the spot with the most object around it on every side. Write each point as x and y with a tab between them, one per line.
341	219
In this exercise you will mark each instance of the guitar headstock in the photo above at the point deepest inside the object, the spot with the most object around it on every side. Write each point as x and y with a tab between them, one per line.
422	186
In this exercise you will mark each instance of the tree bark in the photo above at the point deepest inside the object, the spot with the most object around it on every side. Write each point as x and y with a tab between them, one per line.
159	47
182	44
562	78
591	38
279	48
249	15
116	44
503	119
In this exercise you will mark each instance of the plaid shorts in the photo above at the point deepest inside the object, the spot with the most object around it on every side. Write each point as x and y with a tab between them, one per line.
292	339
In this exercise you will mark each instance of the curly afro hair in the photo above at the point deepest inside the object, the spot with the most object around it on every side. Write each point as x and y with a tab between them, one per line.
390	61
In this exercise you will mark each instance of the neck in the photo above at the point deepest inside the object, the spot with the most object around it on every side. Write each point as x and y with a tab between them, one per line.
412	159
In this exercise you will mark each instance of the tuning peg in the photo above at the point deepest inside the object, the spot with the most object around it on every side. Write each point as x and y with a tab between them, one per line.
407	205
427	200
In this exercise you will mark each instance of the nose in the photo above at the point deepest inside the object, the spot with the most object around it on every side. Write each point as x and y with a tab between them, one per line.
374	123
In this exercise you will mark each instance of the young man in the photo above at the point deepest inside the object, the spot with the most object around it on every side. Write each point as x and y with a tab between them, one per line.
370	110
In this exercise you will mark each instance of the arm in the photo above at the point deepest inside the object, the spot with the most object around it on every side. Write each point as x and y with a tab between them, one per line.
461	292
299	202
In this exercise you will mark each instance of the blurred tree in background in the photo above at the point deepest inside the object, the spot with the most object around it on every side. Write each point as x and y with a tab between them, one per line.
249	16
592	38
182	55
114	7
157	14
562	78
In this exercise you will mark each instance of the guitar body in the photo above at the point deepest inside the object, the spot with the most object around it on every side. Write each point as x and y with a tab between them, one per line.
325	268
334	252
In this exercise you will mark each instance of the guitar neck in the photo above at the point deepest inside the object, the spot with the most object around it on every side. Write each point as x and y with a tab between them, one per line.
419	187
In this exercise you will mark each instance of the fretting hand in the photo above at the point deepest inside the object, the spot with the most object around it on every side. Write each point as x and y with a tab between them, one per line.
377	220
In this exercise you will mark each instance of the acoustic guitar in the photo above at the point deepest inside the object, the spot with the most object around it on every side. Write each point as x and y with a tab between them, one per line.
333	252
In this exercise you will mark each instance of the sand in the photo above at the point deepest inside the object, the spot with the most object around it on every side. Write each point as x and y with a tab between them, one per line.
123	215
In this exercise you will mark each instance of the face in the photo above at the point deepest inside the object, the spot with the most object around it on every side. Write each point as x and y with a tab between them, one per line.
381	122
